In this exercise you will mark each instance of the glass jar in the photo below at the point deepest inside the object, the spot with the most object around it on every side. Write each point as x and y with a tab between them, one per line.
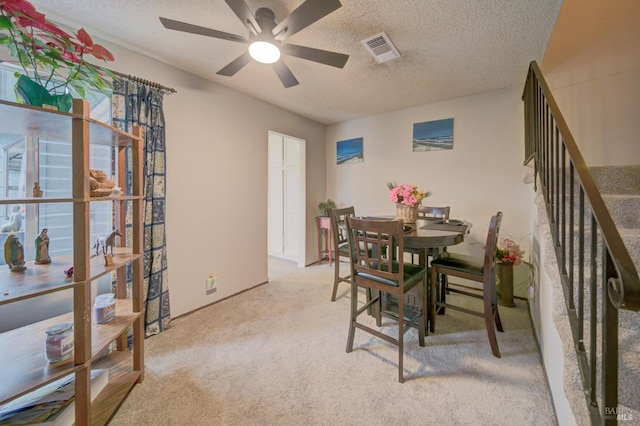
104	308
59	342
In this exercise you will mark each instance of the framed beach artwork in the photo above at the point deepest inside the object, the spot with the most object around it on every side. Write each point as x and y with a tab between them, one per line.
433	135
349	151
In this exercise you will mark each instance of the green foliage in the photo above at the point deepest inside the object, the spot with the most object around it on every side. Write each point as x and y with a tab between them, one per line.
326	205
50	56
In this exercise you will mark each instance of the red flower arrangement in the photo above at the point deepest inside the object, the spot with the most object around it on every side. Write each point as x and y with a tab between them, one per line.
509	252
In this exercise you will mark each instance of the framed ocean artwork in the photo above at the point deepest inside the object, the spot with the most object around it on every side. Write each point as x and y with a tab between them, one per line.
349	151
433	135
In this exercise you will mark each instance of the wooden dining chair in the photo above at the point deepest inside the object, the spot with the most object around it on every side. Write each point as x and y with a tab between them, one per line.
482	270
375	267
429	213
340	244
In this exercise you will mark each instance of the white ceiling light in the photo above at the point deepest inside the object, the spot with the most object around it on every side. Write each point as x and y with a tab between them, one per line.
265	52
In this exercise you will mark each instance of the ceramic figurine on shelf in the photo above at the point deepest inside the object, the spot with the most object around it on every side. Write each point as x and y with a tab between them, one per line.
37	191
42	248
14	254
104	243
15	221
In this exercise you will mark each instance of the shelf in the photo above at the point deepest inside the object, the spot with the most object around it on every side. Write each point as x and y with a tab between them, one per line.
121	379
45	200
25	368
19	119
37	280
103	334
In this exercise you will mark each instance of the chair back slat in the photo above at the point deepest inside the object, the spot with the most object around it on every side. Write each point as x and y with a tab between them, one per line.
339	224
374	246
492	243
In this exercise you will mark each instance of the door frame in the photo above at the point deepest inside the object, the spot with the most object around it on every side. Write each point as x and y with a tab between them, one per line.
302	228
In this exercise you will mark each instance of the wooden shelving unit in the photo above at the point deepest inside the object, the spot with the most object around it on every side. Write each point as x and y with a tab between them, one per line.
23	366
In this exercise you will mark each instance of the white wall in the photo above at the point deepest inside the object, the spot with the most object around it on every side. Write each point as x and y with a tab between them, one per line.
595	80
217	181
482	174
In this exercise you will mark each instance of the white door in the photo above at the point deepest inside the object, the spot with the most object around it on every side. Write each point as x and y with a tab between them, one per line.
286	211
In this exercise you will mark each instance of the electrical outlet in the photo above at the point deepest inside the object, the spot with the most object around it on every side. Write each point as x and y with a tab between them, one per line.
210	286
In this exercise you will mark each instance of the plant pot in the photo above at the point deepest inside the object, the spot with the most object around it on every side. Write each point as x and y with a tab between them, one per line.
504	288
32	93
408	214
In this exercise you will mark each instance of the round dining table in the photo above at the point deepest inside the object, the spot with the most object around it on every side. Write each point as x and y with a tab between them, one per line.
430	237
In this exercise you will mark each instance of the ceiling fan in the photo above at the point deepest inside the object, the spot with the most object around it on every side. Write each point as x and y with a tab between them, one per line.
266	37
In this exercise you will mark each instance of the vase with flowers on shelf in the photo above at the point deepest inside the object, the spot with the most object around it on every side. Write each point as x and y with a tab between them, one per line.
53	63
407	199
508	255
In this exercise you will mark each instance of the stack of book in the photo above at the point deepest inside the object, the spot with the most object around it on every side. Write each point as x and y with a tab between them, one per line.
52	404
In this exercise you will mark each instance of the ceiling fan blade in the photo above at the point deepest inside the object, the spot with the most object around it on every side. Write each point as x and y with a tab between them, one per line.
284	74
326	57
235	65
306	14
242	11
194	29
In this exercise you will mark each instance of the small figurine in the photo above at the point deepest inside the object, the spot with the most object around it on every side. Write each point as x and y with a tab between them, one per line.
42	248
14	254
15	221
99	184
37	191
105	242
69	272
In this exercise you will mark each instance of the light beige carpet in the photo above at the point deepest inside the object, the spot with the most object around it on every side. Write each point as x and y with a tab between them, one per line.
275	355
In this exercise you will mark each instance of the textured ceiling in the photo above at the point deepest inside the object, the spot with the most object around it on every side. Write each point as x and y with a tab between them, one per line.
449	48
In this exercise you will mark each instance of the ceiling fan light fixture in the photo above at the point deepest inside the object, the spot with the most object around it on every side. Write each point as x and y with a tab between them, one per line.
264	52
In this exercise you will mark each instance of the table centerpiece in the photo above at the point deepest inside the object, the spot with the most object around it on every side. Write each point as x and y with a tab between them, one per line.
407	199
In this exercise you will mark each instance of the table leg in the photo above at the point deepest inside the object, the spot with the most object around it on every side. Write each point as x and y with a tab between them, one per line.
319	232
422	261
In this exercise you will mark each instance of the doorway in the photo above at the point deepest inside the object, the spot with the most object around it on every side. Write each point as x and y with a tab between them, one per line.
286	197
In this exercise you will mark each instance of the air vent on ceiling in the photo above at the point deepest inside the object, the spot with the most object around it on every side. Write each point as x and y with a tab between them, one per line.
381	47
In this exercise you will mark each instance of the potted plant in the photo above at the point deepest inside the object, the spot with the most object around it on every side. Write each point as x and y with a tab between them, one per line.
52	60
324	206
508	254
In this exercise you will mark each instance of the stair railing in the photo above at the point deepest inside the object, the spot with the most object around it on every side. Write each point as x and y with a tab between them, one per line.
613	280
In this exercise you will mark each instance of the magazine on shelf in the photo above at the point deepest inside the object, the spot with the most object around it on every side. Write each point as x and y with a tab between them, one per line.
51	404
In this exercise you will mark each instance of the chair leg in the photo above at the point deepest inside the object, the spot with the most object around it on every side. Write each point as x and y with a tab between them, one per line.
496	316
353	315
422	295
432	304
401	338
336	279
378	309
490	308
496	313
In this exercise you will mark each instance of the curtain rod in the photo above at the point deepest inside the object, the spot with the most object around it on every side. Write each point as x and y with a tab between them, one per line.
137	79
147	82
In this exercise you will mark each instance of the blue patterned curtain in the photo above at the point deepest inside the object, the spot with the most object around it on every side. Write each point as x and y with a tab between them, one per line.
135	103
